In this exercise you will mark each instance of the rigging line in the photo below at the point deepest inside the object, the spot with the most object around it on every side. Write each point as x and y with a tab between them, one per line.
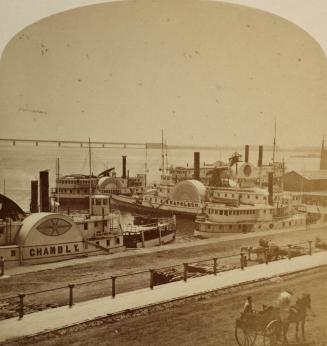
95	161
84	162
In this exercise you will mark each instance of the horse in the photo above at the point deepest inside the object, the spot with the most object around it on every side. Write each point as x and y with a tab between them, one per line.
297	315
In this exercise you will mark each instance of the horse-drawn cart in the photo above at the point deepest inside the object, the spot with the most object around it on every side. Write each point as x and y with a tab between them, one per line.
253	326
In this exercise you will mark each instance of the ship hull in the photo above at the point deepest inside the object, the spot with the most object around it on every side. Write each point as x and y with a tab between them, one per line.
129	203
214	229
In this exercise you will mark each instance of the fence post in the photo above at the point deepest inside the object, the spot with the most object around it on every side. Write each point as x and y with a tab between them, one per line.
151	278
21	305
185	272
289	252
142	234
266	256
113	286
71	298
242	260
215	266
160	241
310	247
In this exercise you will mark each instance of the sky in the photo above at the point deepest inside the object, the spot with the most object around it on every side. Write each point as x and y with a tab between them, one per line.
208	74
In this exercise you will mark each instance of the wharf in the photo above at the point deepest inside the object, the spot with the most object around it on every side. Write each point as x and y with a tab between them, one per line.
62	317
11	271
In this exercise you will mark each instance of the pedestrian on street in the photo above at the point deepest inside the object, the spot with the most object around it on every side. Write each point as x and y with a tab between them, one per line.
2	266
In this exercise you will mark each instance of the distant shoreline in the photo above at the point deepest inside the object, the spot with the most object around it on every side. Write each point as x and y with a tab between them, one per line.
235	148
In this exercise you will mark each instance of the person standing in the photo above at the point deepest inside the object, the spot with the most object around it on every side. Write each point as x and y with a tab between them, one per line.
248	306
2	266
284	301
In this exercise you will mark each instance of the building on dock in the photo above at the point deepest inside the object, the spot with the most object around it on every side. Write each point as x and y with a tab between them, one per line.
311	185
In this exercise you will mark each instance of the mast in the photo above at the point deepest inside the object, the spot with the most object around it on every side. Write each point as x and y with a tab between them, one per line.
274	149
57	178
162	154
146	159
4	187
283	168
166	156
90	179
322	154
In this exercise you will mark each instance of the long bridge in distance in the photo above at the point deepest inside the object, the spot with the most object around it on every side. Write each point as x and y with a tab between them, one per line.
137	145
74	143
98	144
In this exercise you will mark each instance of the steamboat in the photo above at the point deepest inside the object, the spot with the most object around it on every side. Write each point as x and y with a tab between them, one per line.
236	198
73	190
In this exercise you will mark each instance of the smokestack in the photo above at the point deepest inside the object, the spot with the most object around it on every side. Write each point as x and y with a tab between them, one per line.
271	188
247	147
196	165
260	155
34	196
323	155
44	191
124	167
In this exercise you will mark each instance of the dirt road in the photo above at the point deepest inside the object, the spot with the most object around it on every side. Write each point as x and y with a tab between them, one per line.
99	270
206	322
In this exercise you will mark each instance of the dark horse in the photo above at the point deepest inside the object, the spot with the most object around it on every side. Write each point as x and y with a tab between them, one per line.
297	315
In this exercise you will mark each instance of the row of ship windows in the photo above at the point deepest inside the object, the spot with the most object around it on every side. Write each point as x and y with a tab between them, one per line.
230	226
116	241
240	195
86	225
86	191
73	181
231	212
221	227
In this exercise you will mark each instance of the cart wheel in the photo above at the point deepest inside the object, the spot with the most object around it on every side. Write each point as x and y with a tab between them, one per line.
245	337
271	333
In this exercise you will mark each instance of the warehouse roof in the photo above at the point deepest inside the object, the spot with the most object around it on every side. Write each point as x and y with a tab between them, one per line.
312	175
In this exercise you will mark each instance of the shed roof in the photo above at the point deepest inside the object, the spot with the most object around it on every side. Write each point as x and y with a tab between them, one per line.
312	175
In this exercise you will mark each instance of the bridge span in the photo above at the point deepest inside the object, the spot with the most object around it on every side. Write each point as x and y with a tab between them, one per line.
70	143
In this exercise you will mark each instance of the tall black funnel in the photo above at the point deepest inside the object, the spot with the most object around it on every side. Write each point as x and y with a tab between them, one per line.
34	208
124	167
44	191
260	155
247	148
196	165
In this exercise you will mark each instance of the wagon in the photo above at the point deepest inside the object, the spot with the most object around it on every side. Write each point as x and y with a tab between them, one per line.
253	327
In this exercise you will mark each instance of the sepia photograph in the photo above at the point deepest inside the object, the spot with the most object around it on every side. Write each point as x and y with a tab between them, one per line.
163	172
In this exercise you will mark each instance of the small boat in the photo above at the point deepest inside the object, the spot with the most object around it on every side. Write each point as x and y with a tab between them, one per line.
149	231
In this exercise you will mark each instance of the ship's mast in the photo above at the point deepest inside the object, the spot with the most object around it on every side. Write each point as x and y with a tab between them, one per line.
323	143
146	159
162	154
274	148
166	156
90	179
57	177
